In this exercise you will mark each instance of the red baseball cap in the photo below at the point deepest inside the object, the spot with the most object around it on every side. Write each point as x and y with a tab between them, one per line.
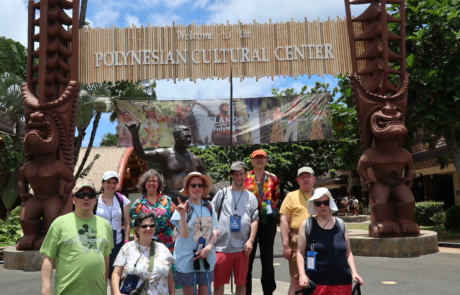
258	153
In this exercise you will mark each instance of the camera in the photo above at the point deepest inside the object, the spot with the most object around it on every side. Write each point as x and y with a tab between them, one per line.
307	290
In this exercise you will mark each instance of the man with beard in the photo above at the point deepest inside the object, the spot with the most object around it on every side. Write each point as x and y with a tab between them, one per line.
237	214
293	212
176	162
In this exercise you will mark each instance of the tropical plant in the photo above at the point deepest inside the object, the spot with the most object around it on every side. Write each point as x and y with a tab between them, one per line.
9	190
10	230
109	139
13	57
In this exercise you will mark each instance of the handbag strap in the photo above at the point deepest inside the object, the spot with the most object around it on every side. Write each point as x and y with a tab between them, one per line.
152	256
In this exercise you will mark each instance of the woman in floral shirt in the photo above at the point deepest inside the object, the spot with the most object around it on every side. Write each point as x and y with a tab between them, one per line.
151	183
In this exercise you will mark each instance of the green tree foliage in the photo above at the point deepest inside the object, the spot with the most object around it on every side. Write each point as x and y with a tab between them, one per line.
109	139
433	60
13	57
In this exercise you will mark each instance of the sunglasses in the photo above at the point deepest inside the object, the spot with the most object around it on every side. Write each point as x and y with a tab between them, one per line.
319	203
81	195
152	225
194	185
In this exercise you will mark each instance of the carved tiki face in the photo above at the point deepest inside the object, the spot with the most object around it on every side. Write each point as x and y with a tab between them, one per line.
42	137
378	115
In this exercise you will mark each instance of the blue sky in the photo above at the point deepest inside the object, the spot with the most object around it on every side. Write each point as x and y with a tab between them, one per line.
123	13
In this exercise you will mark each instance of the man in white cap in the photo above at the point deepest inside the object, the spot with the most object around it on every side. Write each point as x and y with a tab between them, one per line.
294	211
78	244
238	217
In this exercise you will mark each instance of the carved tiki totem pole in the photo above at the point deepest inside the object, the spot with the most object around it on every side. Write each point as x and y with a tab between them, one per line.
50	96
385	167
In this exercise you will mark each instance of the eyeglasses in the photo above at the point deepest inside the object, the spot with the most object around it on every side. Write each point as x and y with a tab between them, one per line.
152	180
81	195
194	185
152	225
319	203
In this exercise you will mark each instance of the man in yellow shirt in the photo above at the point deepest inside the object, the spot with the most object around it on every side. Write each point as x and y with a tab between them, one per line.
293	212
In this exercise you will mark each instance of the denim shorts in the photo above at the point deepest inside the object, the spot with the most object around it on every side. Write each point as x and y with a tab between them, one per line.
186	279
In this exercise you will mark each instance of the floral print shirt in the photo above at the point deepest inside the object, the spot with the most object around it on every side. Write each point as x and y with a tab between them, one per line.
271	188
134	254
163	209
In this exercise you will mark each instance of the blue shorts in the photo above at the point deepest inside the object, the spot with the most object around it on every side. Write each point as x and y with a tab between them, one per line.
186	279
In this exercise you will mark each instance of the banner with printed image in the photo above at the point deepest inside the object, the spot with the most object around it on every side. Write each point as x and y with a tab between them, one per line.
255	120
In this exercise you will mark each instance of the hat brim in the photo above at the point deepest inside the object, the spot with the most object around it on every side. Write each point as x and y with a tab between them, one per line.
206	180
318	193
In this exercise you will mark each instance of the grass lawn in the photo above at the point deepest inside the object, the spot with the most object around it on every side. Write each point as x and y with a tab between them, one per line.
2	244
444	235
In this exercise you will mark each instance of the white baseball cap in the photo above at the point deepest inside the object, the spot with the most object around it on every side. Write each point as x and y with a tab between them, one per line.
110	174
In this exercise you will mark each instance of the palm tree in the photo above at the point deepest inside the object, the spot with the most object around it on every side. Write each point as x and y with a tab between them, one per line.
90	106
109	139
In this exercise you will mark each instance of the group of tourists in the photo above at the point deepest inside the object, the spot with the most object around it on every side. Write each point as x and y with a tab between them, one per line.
197	242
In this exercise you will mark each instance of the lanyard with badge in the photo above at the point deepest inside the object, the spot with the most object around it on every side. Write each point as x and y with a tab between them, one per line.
201	241
235	219
268	206
311	255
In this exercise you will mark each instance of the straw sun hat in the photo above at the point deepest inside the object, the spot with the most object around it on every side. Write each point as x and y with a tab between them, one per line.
207	181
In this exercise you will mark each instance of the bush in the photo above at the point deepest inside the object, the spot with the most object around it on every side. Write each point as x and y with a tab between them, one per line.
439	218
453	218
425	210
10	230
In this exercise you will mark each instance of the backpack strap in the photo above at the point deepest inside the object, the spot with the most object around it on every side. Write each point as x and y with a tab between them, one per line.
341	225
120	202
95	206
308	226
189	208
224	194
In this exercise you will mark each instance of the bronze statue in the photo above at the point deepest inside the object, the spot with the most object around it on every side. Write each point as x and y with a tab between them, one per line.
176	162
386	168
50	96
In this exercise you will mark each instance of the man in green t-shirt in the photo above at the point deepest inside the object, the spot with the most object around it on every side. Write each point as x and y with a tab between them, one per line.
78	244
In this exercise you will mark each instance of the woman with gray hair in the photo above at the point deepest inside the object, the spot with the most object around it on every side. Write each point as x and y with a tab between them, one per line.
323	239
151	184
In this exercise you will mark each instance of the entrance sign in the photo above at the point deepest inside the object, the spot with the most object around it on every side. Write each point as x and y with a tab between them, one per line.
255	120
209	51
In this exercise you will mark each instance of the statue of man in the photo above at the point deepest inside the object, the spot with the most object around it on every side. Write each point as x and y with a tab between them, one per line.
176	162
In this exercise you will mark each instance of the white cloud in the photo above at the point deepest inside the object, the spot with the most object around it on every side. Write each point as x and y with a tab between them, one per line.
166	3
13	20
264	10
132	19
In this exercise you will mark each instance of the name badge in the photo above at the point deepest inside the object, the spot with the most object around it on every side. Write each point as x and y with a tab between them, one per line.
269	207
311	260
235	223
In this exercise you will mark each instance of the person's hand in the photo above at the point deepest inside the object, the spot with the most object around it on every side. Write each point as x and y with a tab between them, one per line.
247	248
287	252
303	280
203	253
357	278
181	208
133	127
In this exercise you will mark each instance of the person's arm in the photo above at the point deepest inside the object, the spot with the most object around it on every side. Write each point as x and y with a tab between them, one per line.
181	208
301	247
47	271
107	263
115	280
172	290
126	223
248	245
351	261
152	156
276	193
284	224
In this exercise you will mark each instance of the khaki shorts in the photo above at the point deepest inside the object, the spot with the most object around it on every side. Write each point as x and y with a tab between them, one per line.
293	271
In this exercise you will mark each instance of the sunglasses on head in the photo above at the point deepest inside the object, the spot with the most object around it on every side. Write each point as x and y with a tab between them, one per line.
194	185
152	225
81	195
318	203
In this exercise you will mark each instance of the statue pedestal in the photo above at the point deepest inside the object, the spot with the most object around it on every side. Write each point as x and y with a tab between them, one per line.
30	260
363	245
